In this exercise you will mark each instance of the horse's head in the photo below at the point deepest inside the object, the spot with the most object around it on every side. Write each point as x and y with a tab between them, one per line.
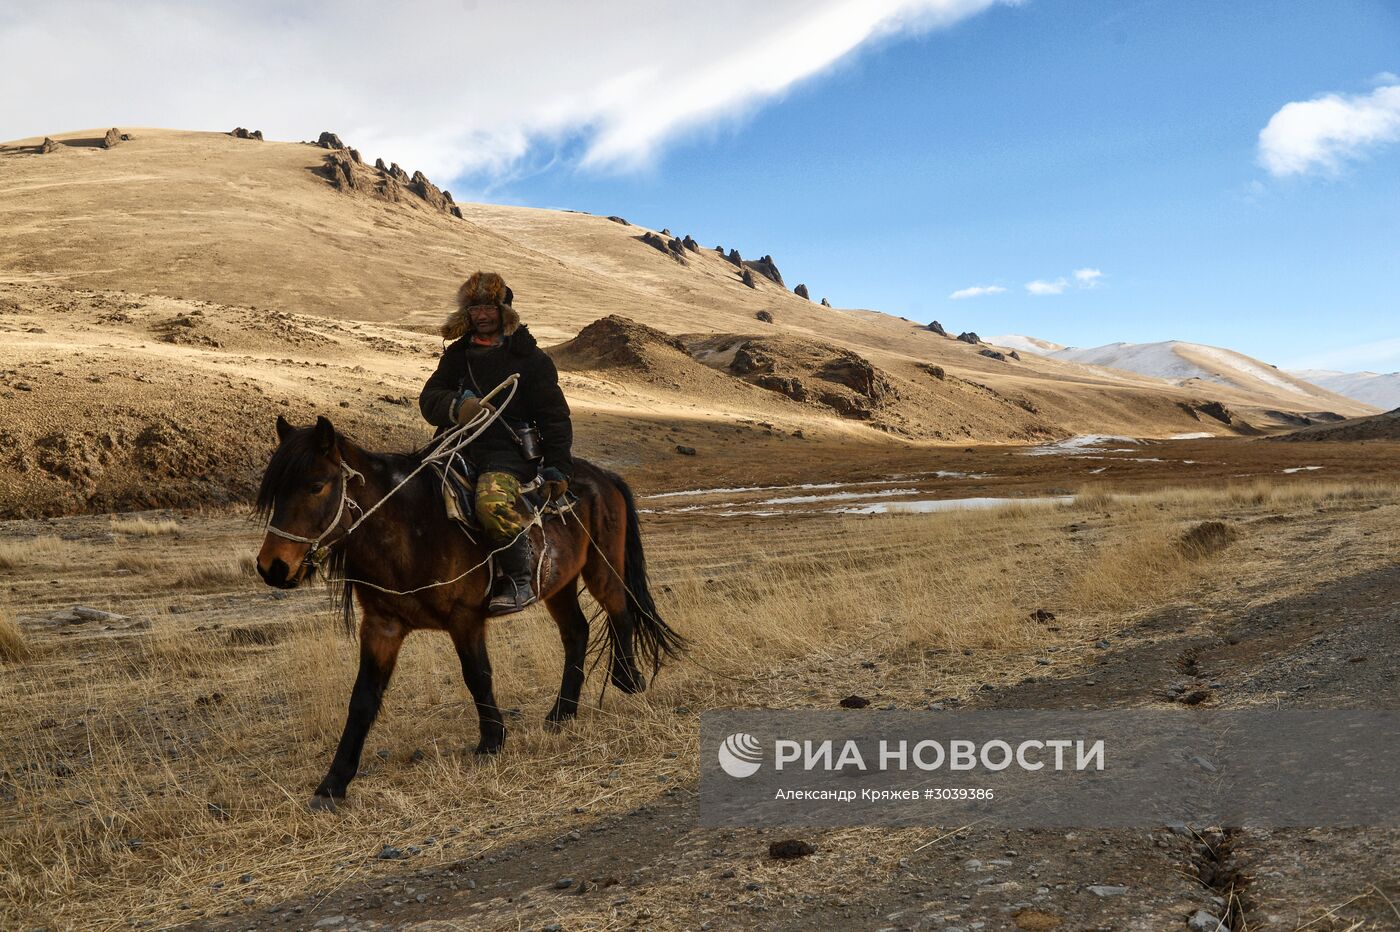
304	496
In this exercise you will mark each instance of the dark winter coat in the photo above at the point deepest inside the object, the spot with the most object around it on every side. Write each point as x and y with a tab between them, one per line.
538	399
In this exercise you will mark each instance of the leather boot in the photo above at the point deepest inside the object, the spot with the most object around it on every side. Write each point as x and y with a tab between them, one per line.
513	587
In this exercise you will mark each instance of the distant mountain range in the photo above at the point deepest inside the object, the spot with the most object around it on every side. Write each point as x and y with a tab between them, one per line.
1180	362
1374	388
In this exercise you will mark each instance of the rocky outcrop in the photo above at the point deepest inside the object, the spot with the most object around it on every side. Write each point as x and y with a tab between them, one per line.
748	359
826	303
113	137
620	220
764	316
329	141
421	186
1216	410
768	269
856	374
801	292
935	371
1014	355
735	258
748	278
238	132
935	327
792	388
48	145
347	172
992	354
970	337
671	247
690	243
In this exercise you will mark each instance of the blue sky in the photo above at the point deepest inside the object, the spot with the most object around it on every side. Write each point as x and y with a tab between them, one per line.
1027	142
1219	171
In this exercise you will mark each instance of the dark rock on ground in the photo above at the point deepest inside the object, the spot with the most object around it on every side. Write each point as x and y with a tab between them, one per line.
801	292
854	702
969	337
826	303
1041	615
935	371
398	174
355	156
937	328
1014	355
748	278
684	450
764	316
790	848
329	141
240	132
113	137
992	354
49	145
620	220
689	243
735	258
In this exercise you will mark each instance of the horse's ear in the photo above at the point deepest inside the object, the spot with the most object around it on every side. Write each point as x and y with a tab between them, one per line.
325	435
284	427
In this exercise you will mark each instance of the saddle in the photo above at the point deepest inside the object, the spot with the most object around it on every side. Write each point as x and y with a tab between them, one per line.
458	483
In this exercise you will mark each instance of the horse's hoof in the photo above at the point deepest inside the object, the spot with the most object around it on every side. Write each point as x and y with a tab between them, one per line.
324	803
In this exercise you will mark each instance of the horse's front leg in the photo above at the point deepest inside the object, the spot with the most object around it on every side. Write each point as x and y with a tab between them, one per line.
380	641
469	637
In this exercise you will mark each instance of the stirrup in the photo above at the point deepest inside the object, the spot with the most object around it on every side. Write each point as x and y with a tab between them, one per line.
508	602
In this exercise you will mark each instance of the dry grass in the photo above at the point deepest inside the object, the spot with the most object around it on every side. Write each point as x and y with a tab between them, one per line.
141	527
183	758
13	648
35	551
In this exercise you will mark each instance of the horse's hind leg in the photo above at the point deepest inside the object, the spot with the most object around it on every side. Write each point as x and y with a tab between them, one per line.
573	631
606	586
469	637
379	651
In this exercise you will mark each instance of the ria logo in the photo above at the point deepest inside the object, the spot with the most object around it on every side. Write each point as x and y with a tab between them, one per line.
740	755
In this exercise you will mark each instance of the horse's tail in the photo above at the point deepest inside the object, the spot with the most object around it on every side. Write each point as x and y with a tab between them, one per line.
653	641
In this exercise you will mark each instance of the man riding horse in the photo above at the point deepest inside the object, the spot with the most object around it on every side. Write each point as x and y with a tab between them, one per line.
490	344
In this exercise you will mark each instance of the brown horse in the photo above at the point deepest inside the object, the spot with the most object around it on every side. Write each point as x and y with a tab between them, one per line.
394	565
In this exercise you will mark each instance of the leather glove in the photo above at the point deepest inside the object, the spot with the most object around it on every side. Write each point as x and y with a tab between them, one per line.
555	483
468	406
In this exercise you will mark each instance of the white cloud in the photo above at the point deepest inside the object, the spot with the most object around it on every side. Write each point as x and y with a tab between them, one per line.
1087	278
1042	287
1323	133
447	86
976	291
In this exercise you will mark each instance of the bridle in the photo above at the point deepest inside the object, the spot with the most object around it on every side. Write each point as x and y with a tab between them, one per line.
450	444
316	553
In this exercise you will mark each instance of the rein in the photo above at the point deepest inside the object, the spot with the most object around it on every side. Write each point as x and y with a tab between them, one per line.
450	444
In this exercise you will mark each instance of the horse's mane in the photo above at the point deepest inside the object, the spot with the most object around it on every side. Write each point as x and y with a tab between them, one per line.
292	460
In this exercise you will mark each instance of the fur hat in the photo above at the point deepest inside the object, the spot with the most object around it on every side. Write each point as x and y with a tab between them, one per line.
481	288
